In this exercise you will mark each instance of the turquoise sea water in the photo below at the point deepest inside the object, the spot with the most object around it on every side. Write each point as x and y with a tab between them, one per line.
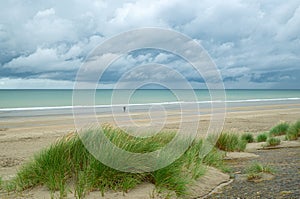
30	99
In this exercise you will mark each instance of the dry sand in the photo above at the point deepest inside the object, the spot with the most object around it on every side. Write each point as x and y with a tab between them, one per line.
20	138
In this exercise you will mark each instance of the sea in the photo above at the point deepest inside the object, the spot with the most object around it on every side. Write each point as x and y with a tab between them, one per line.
30	102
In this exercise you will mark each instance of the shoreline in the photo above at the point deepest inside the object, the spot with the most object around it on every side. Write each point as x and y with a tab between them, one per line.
56	121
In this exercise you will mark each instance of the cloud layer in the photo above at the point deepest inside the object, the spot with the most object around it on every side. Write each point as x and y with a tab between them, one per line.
255	44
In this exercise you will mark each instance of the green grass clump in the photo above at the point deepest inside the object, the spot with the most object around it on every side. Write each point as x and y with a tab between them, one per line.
255	170
215	159
248	137
262	137
241	145
273	141
68	160
257	167
293	131
297	125
230	142
279	129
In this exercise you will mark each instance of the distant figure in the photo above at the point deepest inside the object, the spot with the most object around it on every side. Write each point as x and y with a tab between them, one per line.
124	108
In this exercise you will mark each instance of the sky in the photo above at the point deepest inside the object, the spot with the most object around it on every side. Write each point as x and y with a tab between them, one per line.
254	44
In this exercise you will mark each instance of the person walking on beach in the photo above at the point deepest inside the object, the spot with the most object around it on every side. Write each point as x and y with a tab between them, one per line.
124	109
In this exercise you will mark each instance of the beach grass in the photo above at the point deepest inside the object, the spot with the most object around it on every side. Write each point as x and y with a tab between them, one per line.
215	159
257	167
293	131
297	125
67	163
230	142
279	129
272	141
248	137
8	186
262	137
255	170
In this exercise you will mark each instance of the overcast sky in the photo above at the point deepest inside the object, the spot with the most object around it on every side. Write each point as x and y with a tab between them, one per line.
255	44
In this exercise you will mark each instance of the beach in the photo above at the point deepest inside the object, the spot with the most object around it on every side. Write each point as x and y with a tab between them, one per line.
136	100
35	119
21	137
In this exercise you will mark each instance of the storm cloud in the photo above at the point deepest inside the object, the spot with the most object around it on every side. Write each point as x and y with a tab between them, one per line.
255	44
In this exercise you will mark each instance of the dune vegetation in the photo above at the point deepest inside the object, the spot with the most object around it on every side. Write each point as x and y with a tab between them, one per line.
272	141
279	129
293	132
256	169
230	142
68	163
248	137
262	137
